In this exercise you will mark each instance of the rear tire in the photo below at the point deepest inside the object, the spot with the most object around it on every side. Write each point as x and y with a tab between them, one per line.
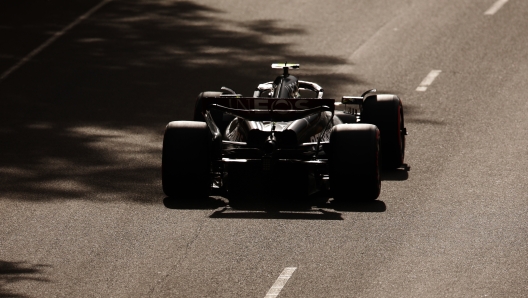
185	163
386	112
354	166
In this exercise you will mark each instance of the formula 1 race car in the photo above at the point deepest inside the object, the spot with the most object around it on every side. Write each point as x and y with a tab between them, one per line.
281	145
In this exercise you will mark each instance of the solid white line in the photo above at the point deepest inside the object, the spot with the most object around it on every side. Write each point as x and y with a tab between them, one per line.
280	282
52	39
495	7
428	80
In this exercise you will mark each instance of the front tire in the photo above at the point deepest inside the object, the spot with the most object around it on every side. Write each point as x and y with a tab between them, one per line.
185	163
354	163
386	112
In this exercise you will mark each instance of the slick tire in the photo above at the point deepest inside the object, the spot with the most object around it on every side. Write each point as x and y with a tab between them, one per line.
186	162
386	112
354	163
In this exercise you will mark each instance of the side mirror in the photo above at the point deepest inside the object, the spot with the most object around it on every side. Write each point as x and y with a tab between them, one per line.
352	100
353	104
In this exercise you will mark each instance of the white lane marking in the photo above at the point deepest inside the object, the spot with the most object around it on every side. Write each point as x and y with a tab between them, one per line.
428	80
495	7
52	39
280	282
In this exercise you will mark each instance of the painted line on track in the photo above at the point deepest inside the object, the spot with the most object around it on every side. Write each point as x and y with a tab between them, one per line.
428	80
495	7
280	282
52	39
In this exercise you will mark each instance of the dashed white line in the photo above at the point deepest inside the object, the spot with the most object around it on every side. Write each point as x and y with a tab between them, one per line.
280	282
428	80
495	7
52	39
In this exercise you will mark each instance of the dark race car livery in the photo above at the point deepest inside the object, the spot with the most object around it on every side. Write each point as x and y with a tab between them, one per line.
281	145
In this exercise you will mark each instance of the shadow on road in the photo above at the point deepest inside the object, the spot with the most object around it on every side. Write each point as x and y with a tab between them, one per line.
85	117
209	203
400	174
309	210
312	208
312	214
12	272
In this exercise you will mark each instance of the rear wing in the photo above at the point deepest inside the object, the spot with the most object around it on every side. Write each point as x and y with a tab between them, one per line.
268	109
262	109
263	104
272	115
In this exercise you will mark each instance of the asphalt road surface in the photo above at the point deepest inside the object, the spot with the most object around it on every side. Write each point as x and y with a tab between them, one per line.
87	88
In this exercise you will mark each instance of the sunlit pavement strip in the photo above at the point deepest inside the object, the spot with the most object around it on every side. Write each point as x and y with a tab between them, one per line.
428	80
52	39
495	7
280	282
